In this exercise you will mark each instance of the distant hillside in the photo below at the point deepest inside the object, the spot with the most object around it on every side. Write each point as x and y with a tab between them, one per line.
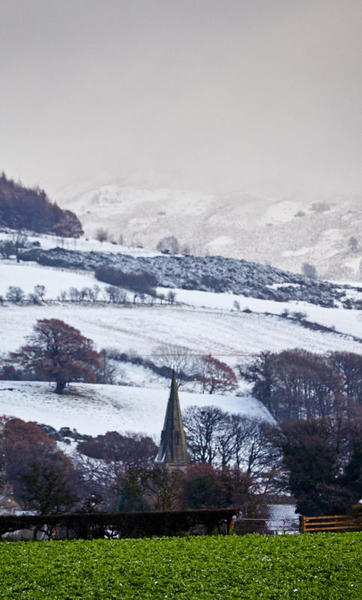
285	232
31	209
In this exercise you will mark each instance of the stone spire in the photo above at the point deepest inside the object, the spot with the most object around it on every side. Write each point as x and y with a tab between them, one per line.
172	452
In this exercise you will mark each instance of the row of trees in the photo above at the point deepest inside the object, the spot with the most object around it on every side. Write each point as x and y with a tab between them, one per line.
111	472
296	384
110	294
15	295
319	462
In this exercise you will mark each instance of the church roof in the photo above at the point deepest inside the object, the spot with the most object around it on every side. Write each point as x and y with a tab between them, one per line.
172	449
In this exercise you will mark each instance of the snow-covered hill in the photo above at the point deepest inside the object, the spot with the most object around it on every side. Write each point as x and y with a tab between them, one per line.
229	326
96	409
284	232
226	325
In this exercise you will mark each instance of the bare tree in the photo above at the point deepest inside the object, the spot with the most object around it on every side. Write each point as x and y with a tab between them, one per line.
203	427
107	373
309	270
353	244
19	240
171	297
178	359
40	291
115	294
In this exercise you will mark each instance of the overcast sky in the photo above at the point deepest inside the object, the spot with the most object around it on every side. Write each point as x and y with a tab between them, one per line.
205	94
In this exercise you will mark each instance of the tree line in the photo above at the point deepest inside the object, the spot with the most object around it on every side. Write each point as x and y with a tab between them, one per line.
234	460
31	209
109	472
299	385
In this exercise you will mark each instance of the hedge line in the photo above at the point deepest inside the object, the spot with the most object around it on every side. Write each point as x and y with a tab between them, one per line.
138	524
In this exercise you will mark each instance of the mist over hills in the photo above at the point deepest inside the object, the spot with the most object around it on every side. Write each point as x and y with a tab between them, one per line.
284	232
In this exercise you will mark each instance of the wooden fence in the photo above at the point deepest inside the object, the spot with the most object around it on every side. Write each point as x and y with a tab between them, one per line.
331	523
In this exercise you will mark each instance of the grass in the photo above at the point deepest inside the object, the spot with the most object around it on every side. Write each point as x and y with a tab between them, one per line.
309	567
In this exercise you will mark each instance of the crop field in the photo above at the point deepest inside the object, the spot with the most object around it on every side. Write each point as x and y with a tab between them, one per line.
308	567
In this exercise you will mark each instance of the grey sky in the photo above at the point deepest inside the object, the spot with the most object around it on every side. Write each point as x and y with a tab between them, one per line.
204	94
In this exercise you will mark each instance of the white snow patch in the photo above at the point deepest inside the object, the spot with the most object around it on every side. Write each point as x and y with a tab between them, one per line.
280	212
96	409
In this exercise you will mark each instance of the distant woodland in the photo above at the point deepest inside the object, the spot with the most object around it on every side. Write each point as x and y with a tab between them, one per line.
31	209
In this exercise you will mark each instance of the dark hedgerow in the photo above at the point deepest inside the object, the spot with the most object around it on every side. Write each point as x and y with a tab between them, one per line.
137	524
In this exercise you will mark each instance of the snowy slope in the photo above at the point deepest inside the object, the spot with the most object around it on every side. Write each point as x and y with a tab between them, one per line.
200	321
95	409
55	280
345	321
227	335
283	232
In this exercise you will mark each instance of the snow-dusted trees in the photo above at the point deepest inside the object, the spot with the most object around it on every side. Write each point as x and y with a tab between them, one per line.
58	352
15	294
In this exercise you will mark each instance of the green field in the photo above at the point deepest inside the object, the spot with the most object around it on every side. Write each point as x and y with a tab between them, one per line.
309	566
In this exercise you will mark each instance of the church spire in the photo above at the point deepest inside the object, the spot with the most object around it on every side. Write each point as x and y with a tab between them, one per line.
172	452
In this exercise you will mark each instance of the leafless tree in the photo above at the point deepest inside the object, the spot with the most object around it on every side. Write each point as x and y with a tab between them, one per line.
178	359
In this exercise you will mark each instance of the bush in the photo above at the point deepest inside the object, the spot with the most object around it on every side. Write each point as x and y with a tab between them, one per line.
168	245
15	295
137	282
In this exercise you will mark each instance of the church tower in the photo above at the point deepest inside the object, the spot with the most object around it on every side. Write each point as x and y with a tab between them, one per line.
172	452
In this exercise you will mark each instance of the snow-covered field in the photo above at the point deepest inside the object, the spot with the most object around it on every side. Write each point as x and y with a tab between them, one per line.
95	409
227	335
55	280
345	321
202	322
